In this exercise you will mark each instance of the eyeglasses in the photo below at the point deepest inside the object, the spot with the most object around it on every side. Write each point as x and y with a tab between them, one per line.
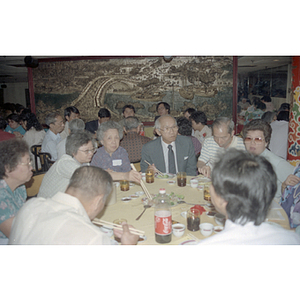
168	129
26	164
257	140
88	151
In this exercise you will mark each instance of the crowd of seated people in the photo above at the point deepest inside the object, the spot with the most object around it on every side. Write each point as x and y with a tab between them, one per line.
185	143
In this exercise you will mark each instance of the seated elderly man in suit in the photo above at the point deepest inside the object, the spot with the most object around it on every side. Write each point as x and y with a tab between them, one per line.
170	152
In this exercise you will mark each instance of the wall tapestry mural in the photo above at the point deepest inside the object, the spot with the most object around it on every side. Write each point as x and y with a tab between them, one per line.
201	82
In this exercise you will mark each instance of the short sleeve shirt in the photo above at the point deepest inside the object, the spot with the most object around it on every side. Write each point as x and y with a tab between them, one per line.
10	202
118	162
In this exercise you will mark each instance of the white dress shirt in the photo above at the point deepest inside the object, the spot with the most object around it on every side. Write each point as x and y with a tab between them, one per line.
60	220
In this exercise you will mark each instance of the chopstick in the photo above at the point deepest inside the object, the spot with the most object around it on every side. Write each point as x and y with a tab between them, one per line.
159	172
143	185
117	226
193	237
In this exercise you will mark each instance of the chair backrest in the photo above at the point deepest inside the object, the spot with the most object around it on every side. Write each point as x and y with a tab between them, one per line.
45	159
137	166
33	185
35	149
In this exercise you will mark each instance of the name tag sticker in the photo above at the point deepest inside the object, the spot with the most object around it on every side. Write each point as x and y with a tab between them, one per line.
117	162
185	158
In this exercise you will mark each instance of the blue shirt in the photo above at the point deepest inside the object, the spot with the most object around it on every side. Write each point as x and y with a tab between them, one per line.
19	129
118	162
10	202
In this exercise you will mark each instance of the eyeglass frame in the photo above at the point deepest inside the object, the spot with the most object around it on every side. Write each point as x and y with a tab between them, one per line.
29	164
88	151
257	140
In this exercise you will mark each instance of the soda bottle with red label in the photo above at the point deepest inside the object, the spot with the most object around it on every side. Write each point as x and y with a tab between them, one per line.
163	218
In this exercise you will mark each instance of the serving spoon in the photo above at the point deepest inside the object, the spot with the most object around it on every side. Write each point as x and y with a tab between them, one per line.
145	207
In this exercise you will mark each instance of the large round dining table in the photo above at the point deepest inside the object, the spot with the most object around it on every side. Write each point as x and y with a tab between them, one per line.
194	196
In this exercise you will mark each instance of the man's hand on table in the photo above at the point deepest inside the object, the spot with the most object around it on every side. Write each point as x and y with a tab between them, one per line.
127	238
205	170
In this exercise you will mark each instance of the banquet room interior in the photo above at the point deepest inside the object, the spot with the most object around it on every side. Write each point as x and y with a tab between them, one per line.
216	85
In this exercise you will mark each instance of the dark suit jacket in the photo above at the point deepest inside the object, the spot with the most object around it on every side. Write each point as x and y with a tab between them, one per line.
152	152
91	126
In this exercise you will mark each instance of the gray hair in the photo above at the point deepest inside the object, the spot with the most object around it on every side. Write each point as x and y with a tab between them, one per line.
157	122
51	118
76	140
109	125
91	181
131	123
220	121
76	125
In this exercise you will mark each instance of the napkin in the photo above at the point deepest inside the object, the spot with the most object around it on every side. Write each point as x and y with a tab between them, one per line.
199	207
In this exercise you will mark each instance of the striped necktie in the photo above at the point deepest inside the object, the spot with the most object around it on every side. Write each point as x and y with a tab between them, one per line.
171	158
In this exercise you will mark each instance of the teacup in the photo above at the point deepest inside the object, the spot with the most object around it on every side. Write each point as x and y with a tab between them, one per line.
206	229
178	229
194	183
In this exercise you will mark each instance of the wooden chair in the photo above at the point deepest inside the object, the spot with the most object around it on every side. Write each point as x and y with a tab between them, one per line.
35	149
33	185
46	162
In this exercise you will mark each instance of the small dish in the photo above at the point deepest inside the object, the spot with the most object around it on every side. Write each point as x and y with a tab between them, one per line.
218	229
134	196
126	199
183	214
171	182
142	238
210	214
139	193
165	176
189	242
108	231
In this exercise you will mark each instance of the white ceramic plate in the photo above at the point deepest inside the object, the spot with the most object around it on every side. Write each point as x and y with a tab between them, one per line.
189	242
165	176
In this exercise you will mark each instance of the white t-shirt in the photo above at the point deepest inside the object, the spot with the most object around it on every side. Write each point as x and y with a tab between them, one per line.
249	234
60	220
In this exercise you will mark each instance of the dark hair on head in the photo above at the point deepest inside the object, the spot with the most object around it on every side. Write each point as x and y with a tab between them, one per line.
283	116
19	107
12	152
255	100
247	183
3	123
31	120
284	106
91	181
184	126
69	110
258	124
104	113
189	110
199	117
260	105
165	104
13	117
128	106
268	116
266	98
